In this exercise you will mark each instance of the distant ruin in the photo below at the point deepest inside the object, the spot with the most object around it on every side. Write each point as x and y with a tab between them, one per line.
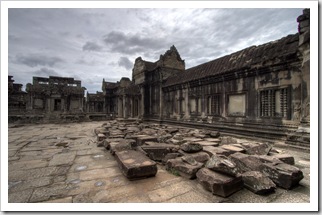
261	91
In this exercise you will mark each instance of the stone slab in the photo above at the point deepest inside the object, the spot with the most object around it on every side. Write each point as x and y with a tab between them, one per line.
208	143
157	151
135	165
245	162
62	159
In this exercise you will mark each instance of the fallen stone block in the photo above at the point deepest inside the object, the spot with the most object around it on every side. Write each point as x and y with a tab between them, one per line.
191	147
283	175
257	148
218	183
119	146
268	159
201	156
233	148
183	168
101	137
211	150
135	165
286	158
221	163
101	131
258	183
170	156
217	140
215	134
157	151
140	140
192	139
228	140
208	143
245	162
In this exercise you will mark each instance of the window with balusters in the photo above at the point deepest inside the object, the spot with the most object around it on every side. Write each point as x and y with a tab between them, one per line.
274	103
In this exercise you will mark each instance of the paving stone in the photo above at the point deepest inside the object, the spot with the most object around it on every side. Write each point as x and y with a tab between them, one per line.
33	183
184	169
62	159
61	200
20	197
135	165
258	183
283	175
30	164
45	193
218	183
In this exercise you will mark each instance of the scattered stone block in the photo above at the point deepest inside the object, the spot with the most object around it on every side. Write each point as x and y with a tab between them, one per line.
191	147
233	148
140	140
221	163
268	159
170	156
245	162
286	158
218	183
201	156
211	150
257	148
192	139
119	146
228	140
217	140
183	168
157	151
208	143
258	183
135	165
101	137
215	134
283	175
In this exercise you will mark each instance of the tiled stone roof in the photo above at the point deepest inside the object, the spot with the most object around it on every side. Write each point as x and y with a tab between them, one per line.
251	57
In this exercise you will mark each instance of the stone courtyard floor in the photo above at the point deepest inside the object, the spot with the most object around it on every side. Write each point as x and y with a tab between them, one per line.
77	171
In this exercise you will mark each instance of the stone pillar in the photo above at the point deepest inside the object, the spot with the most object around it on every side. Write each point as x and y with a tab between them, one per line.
150	99
304	49
186	98
161	103
142	101
119	107
124	107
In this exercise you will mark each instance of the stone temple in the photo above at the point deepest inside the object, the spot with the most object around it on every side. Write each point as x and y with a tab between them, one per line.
261	91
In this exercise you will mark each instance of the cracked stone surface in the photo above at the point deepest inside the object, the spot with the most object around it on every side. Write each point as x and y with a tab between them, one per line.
40	169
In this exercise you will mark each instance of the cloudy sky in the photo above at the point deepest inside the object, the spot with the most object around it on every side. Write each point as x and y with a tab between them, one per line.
92	44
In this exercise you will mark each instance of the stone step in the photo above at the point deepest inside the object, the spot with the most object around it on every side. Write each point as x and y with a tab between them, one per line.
135	165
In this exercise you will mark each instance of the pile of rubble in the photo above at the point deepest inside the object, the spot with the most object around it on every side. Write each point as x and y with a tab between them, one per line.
222	165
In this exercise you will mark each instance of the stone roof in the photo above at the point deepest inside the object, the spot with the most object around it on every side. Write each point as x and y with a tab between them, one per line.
252	57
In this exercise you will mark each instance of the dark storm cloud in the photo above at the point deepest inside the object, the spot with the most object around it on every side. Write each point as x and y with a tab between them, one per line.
45	72
125	62
33	60
131	43
91	46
